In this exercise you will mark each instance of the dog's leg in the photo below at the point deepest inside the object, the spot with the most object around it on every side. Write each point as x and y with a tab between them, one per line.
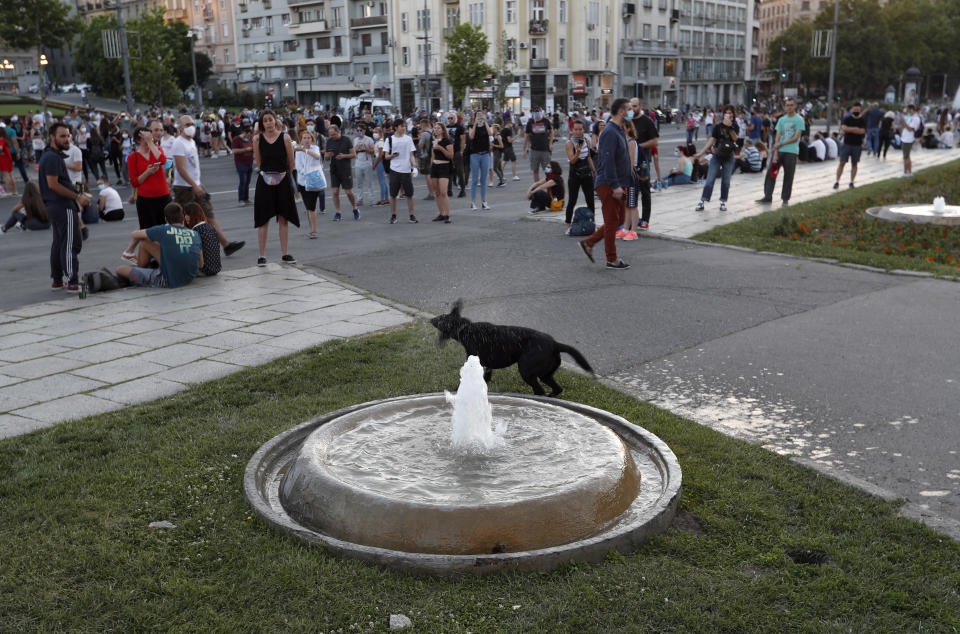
552	384
531	379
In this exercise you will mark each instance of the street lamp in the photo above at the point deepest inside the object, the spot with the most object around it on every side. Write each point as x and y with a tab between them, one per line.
43	88
197	97
159	80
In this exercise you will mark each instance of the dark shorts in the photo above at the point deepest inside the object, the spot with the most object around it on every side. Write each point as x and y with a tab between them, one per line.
151	278
398	180
632	197
441	170
850	153
508	154
183	195
905	147
341	182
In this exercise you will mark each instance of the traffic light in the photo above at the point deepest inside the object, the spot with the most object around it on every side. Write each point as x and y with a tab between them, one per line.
783	75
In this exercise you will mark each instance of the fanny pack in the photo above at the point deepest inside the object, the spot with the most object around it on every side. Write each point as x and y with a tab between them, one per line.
273	178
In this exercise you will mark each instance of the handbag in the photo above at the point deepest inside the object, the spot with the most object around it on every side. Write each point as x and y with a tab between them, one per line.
273	178
556	205
314	181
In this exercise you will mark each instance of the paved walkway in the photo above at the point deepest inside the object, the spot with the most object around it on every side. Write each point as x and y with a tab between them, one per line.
673	209
70	358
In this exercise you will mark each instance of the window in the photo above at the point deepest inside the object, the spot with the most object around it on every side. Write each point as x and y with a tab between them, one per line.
476	13
562	49
337	17
710	10
510	12
563	12
226	29
423	20
511	51
646	31
648	3
226	56
698	9
285	19
256	23
337	46
537	10
662	33
593	13
453	17
405	55
290	45
685	38
538	48
323	43
663	5
323	70
366	41
403	22
593	47
368	10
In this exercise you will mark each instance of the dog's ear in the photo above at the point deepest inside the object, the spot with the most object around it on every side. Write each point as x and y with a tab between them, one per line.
457	307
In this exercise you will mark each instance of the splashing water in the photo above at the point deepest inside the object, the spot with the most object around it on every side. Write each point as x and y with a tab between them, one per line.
939	205
473	428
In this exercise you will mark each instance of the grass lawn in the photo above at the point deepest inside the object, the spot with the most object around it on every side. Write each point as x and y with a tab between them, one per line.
76	553
836	227
22	105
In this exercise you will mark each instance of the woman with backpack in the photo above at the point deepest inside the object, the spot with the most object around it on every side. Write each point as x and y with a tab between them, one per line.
580	151
723	143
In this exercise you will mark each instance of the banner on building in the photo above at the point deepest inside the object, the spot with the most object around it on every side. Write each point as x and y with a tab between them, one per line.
579	85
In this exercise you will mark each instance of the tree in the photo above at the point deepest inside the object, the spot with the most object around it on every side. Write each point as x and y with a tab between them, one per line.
467	47
504	70
105	75
150	72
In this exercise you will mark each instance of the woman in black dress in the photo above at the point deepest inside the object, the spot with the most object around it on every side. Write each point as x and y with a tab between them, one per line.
273	151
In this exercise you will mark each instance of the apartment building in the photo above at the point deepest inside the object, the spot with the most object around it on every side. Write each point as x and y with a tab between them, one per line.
774	18
313	50
649	51
562	53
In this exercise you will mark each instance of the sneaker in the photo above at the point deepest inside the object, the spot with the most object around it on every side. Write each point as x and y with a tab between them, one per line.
631	235
501	184
699	206
84	233
485	205
516	178
129	257
261	261
439	218
619	265
764	200
356	214
56	286
393	220
620	233
786	203
73	288
413	219
462	194
233	247
567	232
473	205
836	185
336	217
587	250
490	184
644	225
851	185
446	220
288	259
723	206
429	197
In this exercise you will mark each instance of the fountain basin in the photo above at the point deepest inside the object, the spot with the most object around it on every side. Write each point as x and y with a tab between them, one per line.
583	482
921	214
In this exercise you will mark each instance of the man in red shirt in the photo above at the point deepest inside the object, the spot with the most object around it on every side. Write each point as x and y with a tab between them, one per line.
242	145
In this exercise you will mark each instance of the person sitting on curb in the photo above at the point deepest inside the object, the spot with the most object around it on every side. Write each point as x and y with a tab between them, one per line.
109	204
546	190
30	213
176	249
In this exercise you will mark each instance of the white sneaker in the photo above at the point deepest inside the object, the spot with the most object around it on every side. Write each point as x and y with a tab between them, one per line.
516	178
485	205
490	184
473	205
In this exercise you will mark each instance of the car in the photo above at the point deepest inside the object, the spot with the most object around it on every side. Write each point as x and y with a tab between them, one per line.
83	86
34	88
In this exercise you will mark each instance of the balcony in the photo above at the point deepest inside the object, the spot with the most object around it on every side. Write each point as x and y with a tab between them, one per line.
538	27
243	7
267	4
541	63
208	13
176	14
366	23
308	28
655	47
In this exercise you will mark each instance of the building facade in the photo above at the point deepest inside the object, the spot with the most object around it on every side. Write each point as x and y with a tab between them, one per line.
776	16
562	53
313	50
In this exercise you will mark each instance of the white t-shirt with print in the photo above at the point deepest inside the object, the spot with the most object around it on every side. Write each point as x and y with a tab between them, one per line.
363	158
188	150
74	155
402	146
909	136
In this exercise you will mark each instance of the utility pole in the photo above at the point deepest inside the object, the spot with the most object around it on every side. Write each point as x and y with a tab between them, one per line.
782	49
833	64
427	89
125	58
197	97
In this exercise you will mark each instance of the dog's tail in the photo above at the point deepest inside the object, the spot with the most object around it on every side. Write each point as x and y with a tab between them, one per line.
579	358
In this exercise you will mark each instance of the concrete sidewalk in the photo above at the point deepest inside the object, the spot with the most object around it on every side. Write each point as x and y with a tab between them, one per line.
673	209
69	358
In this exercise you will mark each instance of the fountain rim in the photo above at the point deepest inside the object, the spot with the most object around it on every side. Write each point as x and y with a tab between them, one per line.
623	538
892	213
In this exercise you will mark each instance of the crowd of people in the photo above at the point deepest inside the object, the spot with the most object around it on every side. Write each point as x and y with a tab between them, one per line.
300	155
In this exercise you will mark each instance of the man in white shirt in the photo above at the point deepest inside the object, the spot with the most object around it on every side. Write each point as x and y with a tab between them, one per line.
948	139
911	123
832	147
363	165
109	205
400	150
186	179
819	147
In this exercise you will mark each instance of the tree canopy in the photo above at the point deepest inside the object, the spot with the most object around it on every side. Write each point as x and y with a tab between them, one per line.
467	47
45	24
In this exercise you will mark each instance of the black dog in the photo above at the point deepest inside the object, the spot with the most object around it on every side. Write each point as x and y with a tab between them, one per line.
536	354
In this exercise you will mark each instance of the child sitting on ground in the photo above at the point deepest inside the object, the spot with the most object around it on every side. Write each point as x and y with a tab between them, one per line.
176	249
196	219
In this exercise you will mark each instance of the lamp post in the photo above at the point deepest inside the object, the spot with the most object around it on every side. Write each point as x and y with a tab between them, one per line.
197	97
43	88
8	65
780	69
426	56
159	80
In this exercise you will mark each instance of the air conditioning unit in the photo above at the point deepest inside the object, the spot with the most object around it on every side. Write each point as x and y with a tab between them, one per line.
247	27
523	45
552	89
524	84
591	27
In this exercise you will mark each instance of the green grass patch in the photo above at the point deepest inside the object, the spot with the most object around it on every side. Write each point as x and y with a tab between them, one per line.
76	553
23	105
836	227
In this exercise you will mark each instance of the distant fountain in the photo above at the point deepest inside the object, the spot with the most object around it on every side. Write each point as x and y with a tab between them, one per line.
939	213
473	430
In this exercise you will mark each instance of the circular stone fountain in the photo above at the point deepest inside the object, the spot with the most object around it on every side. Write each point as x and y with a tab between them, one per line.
383	482
939	213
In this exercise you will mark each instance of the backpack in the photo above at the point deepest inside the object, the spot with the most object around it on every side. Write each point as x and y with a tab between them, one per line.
386	161
102	280
582	224
725	148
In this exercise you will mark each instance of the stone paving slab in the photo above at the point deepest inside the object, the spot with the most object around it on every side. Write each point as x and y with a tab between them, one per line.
70	358
673	212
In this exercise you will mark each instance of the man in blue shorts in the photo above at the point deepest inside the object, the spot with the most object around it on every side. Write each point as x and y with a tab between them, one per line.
177	249
854	129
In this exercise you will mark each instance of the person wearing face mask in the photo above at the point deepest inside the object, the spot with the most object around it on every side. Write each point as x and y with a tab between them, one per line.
854	130
580	152
186	180
683	173
723	142
545	191
242	146
378	141
538	137
145	169
109	205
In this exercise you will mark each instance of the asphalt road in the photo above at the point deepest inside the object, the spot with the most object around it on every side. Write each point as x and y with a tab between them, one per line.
853	369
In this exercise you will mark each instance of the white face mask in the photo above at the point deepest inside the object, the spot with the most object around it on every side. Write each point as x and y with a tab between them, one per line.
376	135
190	130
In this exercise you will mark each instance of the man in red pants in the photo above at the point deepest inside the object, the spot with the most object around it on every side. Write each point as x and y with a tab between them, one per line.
614	176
